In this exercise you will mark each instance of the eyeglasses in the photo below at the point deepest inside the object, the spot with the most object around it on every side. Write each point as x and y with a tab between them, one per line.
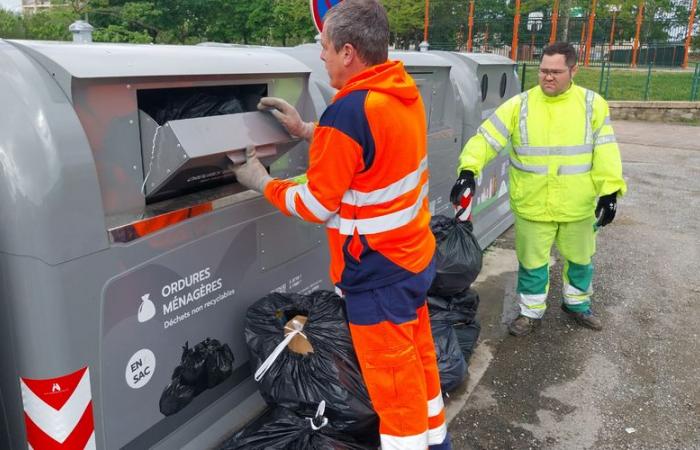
553	73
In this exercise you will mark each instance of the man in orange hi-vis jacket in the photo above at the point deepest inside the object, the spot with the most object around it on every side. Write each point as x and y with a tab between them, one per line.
368	182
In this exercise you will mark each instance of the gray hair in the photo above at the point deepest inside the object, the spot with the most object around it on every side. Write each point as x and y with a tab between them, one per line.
362	24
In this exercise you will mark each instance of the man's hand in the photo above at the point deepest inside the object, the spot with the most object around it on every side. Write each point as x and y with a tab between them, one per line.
461	194
252	173
288	116
605	211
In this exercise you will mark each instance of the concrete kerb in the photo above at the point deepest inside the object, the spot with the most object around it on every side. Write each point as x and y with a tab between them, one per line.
496	288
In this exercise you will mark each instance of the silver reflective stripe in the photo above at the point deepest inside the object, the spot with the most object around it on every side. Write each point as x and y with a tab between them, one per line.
289	201
490	139
528	168
607	139
389	193
573	170
435	405
391	442
436	436
500	126
523	119
386	222
309	200
564	150
597	132
589	116
333	222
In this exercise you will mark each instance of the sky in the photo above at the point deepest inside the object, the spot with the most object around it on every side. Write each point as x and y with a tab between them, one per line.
11	4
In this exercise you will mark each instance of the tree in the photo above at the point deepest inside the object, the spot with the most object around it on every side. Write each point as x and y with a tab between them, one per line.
405	21
10	25
50	25
447	24
118	33
291	22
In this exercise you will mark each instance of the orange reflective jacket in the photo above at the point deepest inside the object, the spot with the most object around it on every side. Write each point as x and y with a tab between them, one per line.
368	181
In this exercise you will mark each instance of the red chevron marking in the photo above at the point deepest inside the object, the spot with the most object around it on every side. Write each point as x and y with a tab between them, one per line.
39	440
55	392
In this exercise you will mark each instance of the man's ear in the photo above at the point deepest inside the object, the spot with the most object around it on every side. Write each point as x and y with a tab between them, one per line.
574	70
349	54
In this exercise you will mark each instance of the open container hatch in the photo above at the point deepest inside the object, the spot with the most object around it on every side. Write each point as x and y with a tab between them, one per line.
187	133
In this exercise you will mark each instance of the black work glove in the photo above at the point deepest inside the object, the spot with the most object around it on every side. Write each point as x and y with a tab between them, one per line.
605	211
464	182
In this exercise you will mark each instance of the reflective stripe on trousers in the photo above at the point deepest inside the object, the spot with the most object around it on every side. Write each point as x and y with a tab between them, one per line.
391	333
576	243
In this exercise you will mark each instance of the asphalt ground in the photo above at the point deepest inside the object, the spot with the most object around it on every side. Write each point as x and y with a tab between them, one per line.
636	383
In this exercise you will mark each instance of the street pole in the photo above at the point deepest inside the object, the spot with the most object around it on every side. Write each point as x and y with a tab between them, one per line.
582	42
612	35
691	21
635	46
516	27
589	40
555	21
426	21
471	25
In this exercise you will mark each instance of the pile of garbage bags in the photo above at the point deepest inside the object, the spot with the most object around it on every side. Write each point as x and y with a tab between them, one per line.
452	303
202	367
293	383
281	428
306	368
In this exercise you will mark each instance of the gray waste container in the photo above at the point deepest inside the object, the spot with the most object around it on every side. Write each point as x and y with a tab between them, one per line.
124	236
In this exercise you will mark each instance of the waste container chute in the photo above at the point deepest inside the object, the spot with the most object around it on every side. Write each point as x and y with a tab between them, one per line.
106	276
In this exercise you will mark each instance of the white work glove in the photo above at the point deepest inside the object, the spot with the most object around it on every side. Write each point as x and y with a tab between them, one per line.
288	116
252	173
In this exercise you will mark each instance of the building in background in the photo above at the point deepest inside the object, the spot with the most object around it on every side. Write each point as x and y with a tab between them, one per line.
32	6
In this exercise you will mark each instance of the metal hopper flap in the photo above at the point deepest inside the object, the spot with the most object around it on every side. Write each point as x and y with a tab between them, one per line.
190	154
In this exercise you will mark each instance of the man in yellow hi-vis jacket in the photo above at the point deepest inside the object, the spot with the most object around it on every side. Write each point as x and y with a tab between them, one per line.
563	159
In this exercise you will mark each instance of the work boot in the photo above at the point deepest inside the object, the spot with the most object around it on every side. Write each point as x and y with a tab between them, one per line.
584	318
523	325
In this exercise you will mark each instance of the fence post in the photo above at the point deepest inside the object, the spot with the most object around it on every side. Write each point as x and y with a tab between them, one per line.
635	45
522	78
607	81
602	74
689	36
470	23
516	28
695	86
589	38
555	20
646	88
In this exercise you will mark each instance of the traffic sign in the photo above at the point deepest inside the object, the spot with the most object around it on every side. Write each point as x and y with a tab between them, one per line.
319	8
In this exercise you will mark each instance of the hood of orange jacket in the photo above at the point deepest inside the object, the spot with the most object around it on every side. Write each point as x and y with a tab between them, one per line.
390	78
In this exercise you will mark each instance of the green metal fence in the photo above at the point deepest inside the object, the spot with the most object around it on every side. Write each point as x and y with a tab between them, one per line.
613	82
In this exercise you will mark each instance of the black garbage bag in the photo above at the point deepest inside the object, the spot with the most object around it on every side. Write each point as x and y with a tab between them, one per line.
176	395
193	365
204	366
218	363
450	361
459	308
188	105
467	335
207	364
458	256
459	311
281	428
330	372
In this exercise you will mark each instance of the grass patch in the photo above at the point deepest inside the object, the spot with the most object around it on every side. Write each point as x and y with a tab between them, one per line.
629	84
